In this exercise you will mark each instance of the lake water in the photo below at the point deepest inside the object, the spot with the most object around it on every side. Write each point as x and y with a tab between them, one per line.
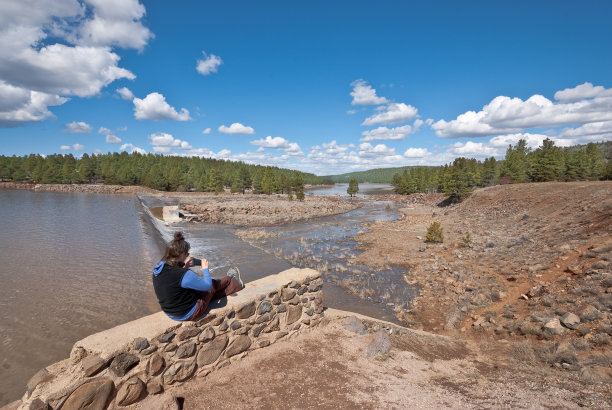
70	265
75	264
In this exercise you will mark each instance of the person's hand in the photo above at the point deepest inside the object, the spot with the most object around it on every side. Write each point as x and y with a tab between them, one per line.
204	263
188	261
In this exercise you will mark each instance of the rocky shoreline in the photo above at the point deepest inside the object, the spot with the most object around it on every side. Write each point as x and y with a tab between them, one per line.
79	188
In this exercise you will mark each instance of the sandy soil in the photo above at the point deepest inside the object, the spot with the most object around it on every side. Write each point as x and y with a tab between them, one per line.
336	366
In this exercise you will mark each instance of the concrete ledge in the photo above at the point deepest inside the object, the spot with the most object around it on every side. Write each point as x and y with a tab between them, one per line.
109	343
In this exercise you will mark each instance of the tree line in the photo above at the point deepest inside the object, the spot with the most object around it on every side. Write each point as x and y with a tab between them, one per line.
521	164
164	173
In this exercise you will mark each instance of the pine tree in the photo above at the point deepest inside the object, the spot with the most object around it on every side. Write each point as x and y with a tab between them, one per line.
353	187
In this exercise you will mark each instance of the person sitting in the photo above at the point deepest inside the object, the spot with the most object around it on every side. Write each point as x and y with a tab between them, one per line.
182	294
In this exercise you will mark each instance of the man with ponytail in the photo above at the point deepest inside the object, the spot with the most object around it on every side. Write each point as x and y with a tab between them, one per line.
181	293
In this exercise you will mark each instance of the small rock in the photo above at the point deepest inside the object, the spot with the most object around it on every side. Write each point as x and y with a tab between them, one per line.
140	344
188	332
37	404
123	363
92	364
179	371
263	343
186	350
207	334
130	391
149	350
287	294
293	314
235	325
570	320
246	311
154	387
264	307
167	337
156	364
276	299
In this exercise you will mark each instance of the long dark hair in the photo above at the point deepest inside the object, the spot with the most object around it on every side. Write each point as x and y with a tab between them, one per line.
176	248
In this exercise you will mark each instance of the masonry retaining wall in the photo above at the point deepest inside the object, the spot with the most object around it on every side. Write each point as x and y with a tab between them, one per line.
122	365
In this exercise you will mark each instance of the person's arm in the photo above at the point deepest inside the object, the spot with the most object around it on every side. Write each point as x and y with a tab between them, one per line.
193	281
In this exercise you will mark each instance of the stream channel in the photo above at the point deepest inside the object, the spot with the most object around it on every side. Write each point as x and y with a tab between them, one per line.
325	244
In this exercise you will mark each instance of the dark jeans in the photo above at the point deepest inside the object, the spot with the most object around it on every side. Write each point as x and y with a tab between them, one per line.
220	287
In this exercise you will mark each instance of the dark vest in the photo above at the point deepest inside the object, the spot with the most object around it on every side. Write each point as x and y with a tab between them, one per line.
173	299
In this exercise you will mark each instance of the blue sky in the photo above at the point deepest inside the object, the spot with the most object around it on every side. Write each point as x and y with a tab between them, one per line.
320	86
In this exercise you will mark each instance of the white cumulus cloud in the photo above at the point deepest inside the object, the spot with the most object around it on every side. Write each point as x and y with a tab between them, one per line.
364	94
206	131
19	105
125	93
416	152
504	115
393	113
279	143
111	138
74	147
132	148
209	64
78	127
154	107
163	142
384	133
236	128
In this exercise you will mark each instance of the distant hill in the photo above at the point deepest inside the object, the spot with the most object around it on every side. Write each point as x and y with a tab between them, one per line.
376	176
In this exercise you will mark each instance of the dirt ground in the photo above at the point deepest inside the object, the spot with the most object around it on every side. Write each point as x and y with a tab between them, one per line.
259	210
351	362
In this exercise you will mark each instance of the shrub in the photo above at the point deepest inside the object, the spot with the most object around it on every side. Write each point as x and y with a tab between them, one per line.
466	241
435	233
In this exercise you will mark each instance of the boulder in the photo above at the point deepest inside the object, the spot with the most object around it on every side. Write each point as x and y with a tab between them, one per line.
554	326
130	391
588	313
378	343
92	395
570	320
354	325
264	307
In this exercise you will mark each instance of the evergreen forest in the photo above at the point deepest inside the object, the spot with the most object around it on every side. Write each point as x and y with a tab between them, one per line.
164	173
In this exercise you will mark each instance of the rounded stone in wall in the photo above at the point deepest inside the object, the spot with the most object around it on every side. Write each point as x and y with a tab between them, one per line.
130	391
211	351
91	395
239	345
156	364
207	334
179	371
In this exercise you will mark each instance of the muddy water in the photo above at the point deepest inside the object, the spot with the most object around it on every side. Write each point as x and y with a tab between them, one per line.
70	265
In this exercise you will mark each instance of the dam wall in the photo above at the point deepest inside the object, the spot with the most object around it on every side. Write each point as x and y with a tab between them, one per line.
123	365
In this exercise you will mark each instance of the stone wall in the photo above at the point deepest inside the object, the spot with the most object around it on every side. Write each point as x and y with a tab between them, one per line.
121	366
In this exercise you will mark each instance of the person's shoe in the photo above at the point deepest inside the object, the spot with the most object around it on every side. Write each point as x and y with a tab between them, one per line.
234	272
